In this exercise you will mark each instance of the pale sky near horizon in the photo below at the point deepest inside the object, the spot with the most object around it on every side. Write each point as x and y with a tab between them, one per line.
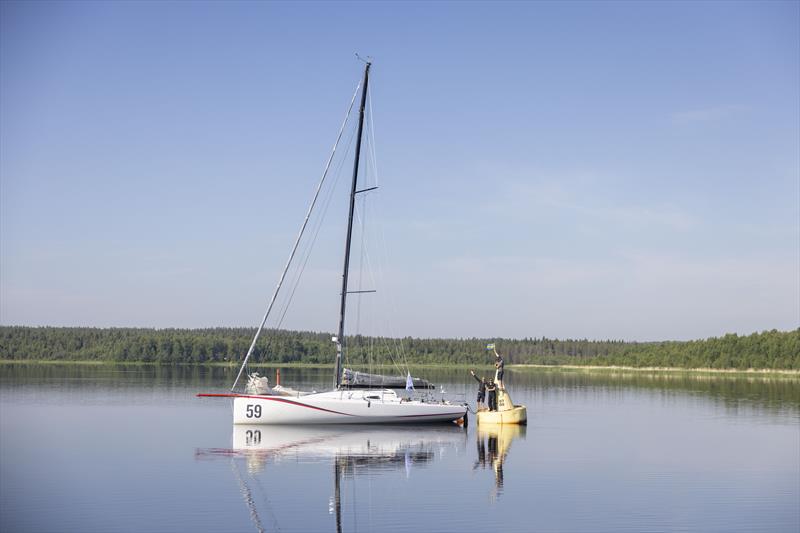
572	170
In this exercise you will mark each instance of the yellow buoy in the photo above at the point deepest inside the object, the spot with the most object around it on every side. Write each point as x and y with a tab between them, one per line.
507	412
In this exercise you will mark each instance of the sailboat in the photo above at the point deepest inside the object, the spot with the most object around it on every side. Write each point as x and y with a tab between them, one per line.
342	405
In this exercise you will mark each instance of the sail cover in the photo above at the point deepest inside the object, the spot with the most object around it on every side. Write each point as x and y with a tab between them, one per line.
361	380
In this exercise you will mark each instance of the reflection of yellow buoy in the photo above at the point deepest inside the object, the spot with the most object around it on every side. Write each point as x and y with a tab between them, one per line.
494	441
507	412
505	435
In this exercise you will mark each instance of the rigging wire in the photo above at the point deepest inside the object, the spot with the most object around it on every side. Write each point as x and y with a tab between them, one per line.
399	349
370	273
396	355
360	348
372	173
317	225
268	504
248	498
362	213
360	284
366	347
297	240
395	352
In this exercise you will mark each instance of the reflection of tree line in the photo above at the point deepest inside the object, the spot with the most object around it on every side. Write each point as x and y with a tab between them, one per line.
761	391
113	374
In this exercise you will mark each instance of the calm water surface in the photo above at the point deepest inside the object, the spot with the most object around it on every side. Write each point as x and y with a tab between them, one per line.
104	449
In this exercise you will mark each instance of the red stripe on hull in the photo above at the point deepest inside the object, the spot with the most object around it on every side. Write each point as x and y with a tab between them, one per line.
275	399
284	400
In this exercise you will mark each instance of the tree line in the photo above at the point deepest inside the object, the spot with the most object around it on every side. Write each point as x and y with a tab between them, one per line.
765	350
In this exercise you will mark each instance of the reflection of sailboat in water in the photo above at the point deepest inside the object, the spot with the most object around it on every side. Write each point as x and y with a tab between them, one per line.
494	442
353	450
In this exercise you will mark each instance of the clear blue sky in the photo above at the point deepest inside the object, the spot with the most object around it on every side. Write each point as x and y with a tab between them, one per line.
604	170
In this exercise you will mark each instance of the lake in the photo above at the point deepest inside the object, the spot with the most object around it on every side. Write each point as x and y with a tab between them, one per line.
130	448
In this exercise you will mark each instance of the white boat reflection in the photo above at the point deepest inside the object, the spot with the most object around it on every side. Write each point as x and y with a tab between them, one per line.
352	451
374	447
494	442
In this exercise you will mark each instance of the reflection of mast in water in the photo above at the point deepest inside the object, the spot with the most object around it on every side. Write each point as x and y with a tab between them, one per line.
337	497
355	450
350	466
494	442
248	497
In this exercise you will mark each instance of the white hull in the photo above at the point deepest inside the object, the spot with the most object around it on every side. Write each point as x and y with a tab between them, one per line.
342	407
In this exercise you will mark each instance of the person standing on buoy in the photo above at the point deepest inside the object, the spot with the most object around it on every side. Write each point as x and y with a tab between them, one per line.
491	391
499	364
481	389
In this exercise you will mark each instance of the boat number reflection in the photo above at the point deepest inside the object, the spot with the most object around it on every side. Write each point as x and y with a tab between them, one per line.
253	411
252	437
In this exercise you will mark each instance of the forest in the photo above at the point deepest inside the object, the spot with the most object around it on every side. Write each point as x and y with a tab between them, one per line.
765	350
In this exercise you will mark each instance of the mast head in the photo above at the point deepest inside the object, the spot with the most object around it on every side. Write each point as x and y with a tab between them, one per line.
368	59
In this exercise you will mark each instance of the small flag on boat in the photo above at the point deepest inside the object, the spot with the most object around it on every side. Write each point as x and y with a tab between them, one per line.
490	346
409	382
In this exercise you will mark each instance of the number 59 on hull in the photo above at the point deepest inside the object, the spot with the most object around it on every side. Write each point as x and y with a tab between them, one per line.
342	407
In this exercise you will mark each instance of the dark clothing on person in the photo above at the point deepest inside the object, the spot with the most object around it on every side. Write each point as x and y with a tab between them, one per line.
481	455
491	390
499	364
481	388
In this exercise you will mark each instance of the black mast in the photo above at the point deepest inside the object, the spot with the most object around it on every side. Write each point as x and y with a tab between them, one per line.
340	337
